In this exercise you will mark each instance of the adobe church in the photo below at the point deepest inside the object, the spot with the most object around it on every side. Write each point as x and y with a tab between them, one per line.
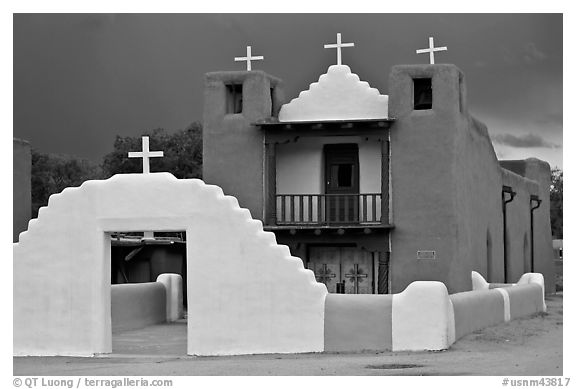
375	191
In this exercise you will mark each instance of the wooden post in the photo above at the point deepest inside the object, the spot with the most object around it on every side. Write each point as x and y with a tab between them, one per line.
270	159
385	218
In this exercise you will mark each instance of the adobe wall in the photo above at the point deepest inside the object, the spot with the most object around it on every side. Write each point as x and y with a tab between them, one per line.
21	186
454	205
423	199
531	177
232	147
137	305
478	195
518	224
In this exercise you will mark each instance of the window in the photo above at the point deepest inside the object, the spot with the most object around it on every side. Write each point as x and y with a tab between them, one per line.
343	174
422	93
233	98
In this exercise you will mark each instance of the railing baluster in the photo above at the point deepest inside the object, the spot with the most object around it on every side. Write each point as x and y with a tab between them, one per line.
331	208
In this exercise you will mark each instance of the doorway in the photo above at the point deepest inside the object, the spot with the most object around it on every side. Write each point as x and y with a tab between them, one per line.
342	184
138	301
347	270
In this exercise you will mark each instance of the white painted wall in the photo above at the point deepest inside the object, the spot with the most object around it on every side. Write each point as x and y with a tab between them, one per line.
248	294
422	317
339	94
300	167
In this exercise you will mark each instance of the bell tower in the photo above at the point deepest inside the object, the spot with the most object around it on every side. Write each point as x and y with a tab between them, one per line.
233	148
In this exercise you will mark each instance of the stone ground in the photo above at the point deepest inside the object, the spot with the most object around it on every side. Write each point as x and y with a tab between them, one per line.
528	346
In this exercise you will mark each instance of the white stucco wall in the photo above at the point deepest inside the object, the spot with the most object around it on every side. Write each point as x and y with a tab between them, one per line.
300	167
248	294
338	95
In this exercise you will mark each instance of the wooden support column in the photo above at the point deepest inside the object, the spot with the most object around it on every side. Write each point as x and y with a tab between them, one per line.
385	190
270	159
383	272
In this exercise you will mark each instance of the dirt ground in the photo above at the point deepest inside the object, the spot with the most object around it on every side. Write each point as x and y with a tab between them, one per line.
528	346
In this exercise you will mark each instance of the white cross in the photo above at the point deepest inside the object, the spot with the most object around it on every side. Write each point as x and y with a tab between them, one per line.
249	58
338	46
431	50
145	154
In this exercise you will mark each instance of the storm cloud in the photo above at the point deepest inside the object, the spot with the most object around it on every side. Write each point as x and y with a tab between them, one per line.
523	141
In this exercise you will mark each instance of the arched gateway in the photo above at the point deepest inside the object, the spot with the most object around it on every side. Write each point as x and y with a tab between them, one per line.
246	293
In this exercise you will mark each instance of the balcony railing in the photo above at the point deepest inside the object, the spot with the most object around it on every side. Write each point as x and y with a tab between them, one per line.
328	209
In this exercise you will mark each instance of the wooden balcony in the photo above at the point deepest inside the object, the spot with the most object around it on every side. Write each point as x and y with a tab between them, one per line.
330	209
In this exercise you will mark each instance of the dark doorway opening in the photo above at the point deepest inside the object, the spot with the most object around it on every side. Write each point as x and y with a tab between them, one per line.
139	321
342	186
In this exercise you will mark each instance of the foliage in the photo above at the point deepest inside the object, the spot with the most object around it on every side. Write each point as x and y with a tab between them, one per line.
556	210
182	153
52	173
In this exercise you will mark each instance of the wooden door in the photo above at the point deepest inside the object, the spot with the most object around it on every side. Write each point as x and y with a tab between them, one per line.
342	184
353	266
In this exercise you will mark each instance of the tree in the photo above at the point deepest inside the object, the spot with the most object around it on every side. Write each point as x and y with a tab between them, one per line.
556	211
182	153
52	173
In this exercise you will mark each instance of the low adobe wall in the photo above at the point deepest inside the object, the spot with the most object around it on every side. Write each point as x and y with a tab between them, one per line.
475	310
137	305
424	316
358	322
419	318
525	300
490	304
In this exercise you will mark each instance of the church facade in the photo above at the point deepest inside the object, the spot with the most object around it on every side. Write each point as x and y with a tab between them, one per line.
375	191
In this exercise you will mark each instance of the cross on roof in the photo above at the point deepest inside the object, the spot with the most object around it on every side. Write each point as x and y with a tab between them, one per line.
145	154
338	46
431	49
249	58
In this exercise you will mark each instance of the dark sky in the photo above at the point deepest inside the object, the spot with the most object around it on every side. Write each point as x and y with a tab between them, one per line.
81	79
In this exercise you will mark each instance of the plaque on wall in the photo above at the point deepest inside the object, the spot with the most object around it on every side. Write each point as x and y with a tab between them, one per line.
426	254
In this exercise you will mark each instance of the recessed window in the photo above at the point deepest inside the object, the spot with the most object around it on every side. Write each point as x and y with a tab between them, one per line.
422	93
233	98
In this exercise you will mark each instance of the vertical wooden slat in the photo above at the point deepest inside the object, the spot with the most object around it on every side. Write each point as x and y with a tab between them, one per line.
373	208
319	210
301	204
309	218
364	208
346	209
337	201
283	205
291	208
